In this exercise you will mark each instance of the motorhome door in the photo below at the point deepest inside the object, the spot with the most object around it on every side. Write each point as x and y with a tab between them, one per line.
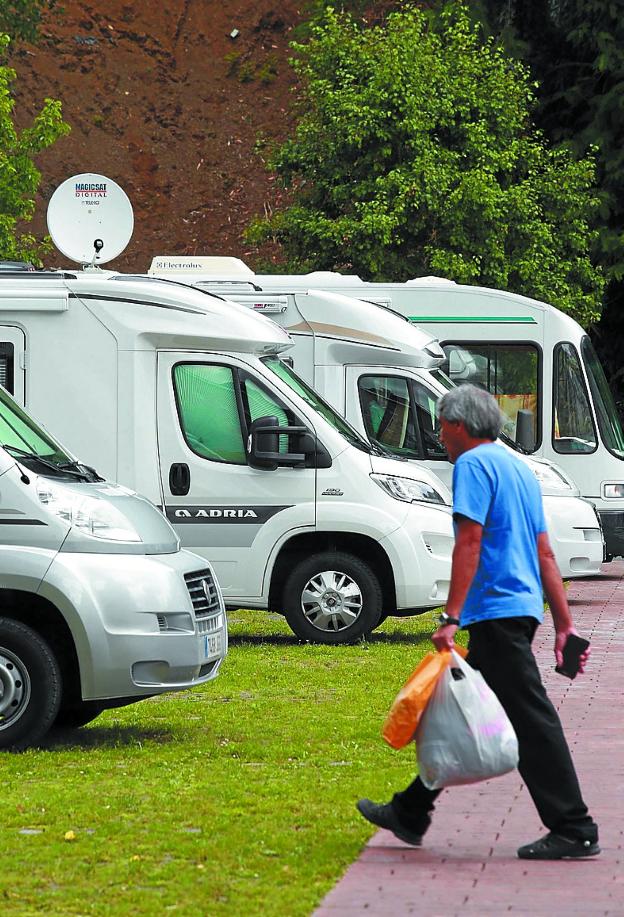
221	507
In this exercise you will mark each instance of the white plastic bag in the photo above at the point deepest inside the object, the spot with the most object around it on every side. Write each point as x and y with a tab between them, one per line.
464	735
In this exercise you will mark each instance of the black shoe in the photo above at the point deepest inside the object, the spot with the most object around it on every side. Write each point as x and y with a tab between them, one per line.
556	847
384	816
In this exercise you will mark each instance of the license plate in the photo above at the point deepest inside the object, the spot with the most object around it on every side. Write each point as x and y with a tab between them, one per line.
212	645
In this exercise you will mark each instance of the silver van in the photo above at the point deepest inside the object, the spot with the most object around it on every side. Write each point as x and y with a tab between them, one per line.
99	607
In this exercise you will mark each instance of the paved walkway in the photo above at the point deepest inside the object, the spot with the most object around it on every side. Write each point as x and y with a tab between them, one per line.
468	863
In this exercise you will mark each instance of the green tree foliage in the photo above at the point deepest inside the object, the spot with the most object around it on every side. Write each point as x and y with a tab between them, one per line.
22	18
575	49
415	154
19	178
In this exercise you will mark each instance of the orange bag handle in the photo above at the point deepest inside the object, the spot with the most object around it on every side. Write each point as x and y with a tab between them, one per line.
410	703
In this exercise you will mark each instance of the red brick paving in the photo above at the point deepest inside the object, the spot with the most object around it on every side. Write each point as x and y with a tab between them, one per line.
468	863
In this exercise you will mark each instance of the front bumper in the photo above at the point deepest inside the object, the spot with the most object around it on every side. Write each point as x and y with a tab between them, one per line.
136	629
613	528
575	535
421	552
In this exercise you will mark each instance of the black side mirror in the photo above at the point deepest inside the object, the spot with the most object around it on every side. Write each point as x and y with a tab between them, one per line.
525	437
263	444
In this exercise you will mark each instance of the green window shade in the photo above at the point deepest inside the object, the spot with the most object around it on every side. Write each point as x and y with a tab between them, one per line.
208	412
19	430
261	404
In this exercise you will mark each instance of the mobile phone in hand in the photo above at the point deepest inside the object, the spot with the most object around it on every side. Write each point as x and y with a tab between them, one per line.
572	652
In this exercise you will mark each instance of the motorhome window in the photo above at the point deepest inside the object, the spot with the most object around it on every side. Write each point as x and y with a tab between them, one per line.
509	371
573	427
258	402
19	430
208	411
608	419
6	366
440	376
427	411
290	377
388	414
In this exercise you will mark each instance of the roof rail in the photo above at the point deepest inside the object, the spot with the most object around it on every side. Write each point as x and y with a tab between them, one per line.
37	275
16	266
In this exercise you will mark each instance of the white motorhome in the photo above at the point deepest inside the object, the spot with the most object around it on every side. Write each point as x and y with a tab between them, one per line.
182	395
538	362
383	374
99	607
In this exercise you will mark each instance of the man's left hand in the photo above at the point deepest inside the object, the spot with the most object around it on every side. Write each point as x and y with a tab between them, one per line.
560	642
444	637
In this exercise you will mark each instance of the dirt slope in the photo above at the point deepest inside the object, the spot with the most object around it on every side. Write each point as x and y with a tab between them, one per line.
164	101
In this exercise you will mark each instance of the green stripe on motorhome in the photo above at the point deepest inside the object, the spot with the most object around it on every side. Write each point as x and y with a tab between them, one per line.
474	319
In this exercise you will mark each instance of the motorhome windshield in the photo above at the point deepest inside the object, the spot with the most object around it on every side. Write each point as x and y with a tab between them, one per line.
289	376
20	435
606	411
573	427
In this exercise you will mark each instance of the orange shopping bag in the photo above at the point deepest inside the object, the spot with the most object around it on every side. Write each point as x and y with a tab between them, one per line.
409	704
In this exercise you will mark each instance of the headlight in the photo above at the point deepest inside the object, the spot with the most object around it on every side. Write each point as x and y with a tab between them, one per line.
95	517
612	491
408	489
550	479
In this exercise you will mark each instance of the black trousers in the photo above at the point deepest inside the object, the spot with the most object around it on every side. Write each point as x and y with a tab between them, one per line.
501	651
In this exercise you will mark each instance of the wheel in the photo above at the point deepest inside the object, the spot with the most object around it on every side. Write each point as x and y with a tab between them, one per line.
30	686
332	598
78	714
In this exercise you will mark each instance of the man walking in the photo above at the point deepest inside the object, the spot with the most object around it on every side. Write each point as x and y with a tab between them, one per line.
502	561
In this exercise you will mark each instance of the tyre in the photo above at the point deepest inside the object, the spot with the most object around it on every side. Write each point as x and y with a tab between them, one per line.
332	597
78	714
30	686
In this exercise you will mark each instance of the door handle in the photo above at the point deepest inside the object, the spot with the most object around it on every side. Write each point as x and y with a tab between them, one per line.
179	479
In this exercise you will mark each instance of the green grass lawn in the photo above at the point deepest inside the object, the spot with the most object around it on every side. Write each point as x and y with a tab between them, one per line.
235	798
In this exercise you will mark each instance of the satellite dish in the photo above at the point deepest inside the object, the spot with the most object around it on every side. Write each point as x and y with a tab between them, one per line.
90	218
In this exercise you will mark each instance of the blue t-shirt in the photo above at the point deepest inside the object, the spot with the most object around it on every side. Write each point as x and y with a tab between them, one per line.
493	487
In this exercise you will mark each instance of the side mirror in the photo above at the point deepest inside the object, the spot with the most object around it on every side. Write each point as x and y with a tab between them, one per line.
263	444
525	436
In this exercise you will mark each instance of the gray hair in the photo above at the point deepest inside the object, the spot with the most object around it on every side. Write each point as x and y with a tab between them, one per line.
475	407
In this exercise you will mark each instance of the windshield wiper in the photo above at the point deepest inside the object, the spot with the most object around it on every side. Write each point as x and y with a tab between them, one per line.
378	449
59	469
513	444
86	470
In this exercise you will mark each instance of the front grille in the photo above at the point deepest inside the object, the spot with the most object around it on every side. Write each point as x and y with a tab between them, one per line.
210	624
203	592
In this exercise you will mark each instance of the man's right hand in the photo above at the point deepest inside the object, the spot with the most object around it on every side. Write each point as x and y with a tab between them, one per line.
444	637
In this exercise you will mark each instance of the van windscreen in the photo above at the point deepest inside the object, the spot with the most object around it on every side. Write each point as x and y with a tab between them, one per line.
18	431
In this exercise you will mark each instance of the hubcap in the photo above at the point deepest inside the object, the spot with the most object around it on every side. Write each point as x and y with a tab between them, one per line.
14	688
331	601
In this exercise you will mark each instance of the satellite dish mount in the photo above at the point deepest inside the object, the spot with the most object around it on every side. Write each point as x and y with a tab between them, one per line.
98	245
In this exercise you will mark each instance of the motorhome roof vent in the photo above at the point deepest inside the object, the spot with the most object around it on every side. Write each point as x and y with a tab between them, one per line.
333	277
434	281
90	219
200	264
